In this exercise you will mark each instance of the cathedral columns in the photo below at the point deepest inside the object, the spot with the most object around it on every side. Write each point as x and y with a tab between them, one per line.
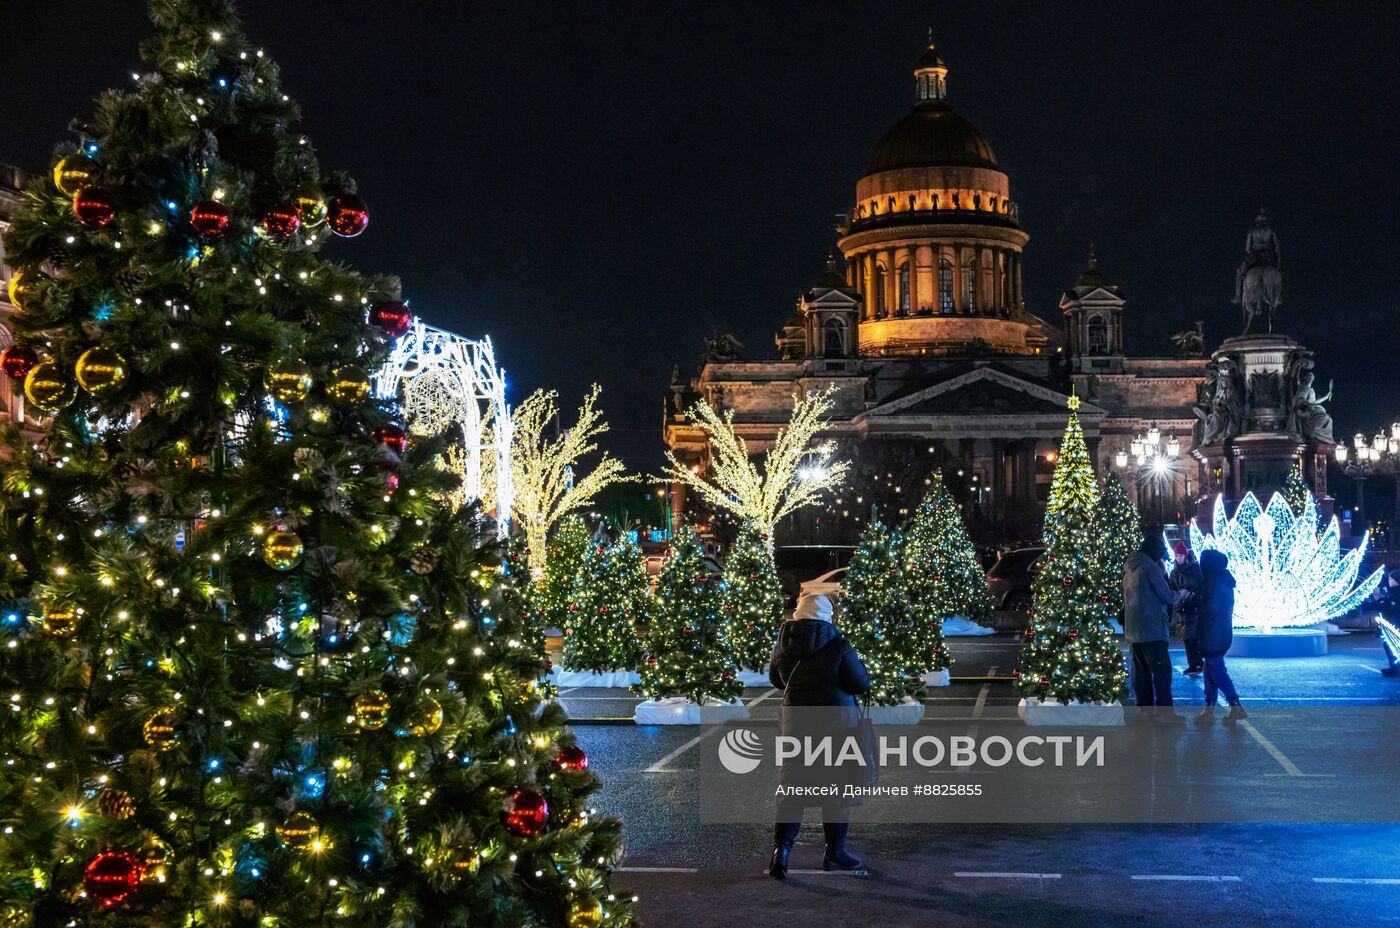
998	296
928	279
867	292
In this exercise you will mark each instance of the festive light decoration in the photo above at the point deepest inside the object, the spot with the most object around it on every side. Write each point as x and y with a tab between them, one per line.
370	711
1068	653
92	207
210	219
1296	490
347	215
311	205
156	858
391	316
100	370
525	813
544	469
878	618
47	386
1286	574
300	831
61	622
753	599
597	592
687	645
795	472
446	382
1117	532
289	380
585	913
281	220
21	288
73	173
391	435
160	731
945	578
282	549
111	877
571	757
349	385
429	718
1390	641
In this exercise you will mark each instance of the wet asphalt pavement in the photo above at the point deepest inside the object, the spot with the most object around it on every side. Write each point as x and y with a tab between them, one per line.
687	873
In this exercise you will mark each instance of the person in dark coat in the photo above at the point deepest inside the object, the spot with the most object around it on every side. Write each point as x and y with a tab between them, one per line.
1186	575
1216	614
814	665
1147	603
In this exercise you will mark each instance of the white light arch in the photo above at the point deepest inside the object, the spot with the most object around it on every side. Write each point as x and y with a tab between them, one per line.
442	380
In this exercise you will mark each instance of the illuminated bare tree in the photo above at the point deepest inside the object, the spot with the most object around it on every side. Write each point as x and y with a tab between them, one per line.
795	471
545	470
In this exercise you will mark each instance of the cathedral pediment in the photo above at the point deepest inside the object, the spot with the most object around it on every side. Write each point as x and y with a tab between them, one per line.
981	392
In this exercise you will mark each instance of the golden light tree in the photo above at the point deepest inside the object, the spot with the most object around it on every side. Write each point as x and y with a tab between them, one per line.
794	474
545	469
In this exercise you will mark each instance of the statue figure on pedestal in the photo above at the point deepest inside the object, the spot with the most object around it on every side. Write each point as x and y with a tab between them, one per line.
1227	403
1258	282
1307	418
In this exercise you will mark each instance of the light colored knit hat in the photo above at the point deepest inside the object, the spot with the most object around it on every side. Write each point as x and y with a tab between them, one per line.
813	606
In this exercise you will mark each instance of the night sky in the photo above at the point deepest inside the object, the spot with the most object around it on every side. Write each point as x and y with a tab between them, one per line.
596	184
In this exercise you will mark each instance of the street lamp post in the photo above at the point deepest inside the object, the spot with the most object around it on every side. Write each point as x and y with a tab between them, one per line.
1153	459
1359	463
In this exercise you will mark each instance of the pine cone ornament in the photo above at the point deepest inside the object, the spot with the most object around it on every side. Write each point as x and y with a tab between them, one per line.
130	279
424	560
307	458
342	610
59	258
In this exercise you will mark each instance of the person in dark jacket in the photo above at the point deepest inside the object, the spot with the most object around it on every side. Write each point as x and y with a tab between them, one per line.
1147	600
814	665
1187	576
1217	619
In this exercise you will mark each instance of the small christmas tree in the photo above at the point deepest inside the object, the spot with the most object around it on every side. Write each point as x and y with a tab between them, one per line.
1069	653
601	635
944	575
1296	491
1117	530
557	589
753	599
879	619
687	646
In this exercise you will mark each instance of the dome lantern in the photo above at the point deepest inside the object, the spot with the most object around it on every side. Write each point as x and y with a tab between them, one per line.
930	75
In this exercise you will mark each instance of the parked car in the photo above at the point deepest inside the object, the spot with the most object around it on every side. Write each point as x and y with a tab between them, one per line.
1010	579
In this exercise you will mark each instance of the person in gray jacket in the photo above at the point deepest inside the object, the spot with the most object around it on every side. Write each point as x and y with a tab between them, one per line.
1147	604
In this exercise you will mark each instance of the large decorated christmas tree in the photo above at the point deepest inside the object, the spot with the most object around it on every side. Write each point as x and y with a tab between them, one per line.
557	590
601	635
879	619
944	576
687	648
753	599
1117	533
260	674
1069	653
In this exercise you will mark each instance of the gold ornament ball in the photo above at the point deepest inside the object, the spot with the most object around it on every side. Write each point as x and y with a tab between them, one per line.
586	913
74	173
349	385
466	860
47	388
289	381
157	857
429	718
282	549
300	831
21	288
311	205
160	731
100	370
371	710
61	622
116	803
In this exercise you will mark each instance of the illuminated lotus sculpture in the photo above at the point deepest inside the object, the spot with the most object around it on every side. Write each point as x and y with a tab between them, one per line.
1286	574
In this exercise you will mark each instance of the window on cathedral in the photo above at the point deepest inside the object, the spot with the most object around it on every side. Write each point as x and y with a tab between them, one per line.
1098	335
945	285
835	339
878	284
904	289
969	286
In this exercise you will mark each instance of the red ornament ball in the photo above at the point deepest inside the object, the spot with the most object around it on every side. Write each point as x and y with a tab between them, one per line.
524	813
1072	634
392	482
112	876
573	607
726	676
1030	633
392	317
92	206
347	215
651	659
1044	681
1016	673
687	630
571	758
18	361
210	218
1068	580
392	435
281	220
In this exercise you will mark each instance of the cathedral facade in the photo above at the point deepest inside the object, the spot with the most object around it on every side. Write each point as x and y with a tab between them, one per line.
924	337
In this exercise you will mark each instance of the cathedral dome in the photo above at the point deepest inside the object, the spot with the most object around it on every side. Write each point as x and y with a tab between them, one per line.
932	135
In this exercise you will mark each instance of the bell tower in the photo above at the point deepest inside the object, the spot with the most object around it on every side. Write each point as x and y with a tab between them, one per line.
1093	310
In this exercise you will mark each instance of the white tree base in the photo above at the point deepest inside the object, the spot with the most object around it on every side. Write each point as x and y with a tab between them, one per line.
677	710
613	679
1054	712
937	678
909	712
753	678
958	627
